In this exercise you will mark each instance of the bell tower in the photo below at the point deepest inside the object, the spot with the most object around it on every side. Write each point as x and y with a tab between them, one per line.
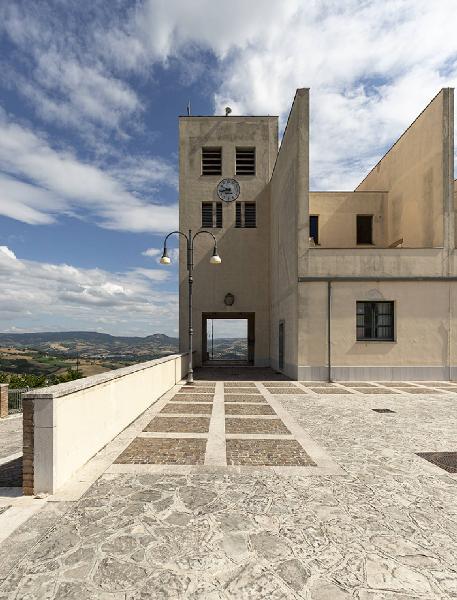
225	165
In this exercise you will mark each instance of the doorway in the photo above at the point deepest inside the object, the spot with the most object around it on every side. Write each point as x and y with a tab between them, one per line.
228	338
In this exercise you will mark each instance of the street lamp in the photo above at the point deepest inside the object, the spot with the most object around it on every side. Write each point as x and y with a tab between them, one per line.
214	260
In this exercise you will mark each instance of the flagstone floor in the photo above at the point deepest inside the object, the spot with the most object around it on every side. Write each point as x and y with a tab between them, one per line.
258	488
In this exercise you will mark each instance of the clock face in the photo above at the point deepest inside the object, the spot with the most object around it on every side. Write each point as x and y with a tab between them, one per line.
228	190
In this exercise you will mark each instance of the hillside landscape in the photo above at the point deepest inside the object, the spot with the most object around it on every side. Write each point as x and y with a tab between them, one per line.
29	359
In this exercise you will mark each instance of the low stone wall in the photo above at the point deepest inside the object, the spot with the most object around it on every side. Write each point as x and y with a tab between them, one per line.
65	425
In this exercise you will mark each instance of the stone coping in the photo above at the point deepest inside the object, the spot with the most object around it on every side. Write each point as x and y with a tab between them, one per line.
70	387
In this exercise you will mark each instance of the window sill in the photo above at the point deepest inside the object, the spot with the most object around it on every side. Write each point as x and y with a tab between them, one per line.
376	340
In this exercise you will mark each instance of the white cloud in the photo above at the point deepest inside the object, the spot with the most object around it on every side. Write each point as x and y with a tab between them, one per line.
60	183
156	253
63	296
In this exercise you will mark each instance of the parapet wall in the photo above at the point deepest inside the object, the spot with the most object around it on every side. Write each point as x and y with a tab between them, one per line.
67	424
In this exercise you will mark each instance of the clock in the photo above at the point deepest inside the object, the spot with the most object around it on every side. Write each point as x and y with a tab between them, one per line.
228	190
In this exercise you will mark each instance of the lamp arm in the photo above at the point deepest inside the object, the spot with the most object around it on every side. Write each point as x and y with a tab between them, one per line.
171	233
209	233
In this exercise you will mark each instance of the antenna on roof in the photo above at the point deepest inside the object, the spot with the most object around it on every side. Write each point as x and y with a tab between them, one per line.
188	108
228	110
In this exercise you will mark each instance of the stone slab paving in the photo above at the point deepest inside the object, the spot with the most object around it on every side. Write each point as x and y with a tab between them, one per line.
251	398
179	424
259	426
251	409
193	397
167	451
384	527
10	436
176	407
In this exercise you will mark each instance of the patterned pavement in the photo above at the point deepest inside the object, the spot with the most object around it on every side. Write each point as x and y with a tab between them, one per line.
351	508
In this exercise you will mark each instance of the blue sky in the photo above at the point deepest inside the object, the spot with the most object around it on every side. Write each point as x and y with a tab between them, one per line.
89	98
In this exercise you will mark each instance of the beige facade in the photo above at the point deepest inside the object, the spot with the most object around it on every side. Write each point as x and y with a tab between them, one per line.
349	306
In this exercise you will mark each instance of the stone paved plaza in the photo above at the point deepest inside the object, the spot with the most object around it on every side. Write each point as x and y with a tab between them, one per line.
321	498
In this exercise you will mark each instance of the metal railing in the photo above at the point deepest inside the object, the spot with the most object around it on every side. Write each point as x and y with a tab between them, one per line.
15	399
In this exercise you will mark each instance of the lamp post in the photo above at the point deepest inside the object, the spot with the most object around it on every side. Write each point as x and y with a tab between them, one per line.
214	260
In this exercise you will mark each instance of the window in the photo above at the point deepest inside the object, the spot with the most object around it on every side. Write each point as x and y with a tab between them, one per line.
364	229
375	321
211	161
245	161
212	214
245	214
314	228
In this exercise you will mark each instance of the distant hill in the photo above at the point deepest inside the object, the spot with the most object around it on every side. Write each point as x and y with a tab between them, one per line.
90	343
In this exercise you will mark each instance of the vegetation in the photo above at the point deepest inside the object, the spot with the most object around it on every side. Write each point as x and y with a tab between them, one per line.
29	380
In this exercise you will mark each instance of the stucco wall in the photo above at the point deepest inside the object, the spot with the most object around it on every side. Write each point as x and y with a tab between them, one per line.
73	421
425	334
244	271
289	223
415	173
338	212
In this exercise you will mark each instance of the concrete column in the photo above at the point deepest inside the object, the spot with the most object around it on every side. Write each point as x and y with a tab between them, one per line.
3	400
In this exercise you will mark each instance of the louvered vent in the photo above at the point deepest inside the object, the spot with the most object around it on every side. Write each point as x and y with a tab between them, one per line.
245	215
211	161
245	161
238	222
249	214
207	214
211	214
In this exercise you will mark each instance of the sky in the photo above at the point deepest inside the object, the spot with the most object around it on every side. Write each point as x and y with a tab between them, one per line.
90	92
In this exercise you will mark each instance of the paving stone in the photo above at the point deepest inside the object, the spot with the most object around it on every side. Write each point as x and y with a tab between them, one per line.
193	398
289	390
259	426
267	453
11	473
239	384
10	436
196	409
198	390
168	451
269	384
317	384
240	390
398	384
373	390
179	424
293	573
447	389
422	391
248	409
385	528
334	390
357	384
244	398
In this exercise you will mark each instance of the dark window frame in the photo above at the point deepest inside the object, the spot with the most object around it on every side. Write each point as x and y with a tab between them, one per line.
315	238
216	215
238	167
375	321
240	215
359	233
215	172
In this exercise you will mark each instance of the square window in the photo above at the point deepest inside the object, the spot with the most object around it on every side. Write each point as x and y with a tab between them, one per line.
364	229
375	321
211	161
